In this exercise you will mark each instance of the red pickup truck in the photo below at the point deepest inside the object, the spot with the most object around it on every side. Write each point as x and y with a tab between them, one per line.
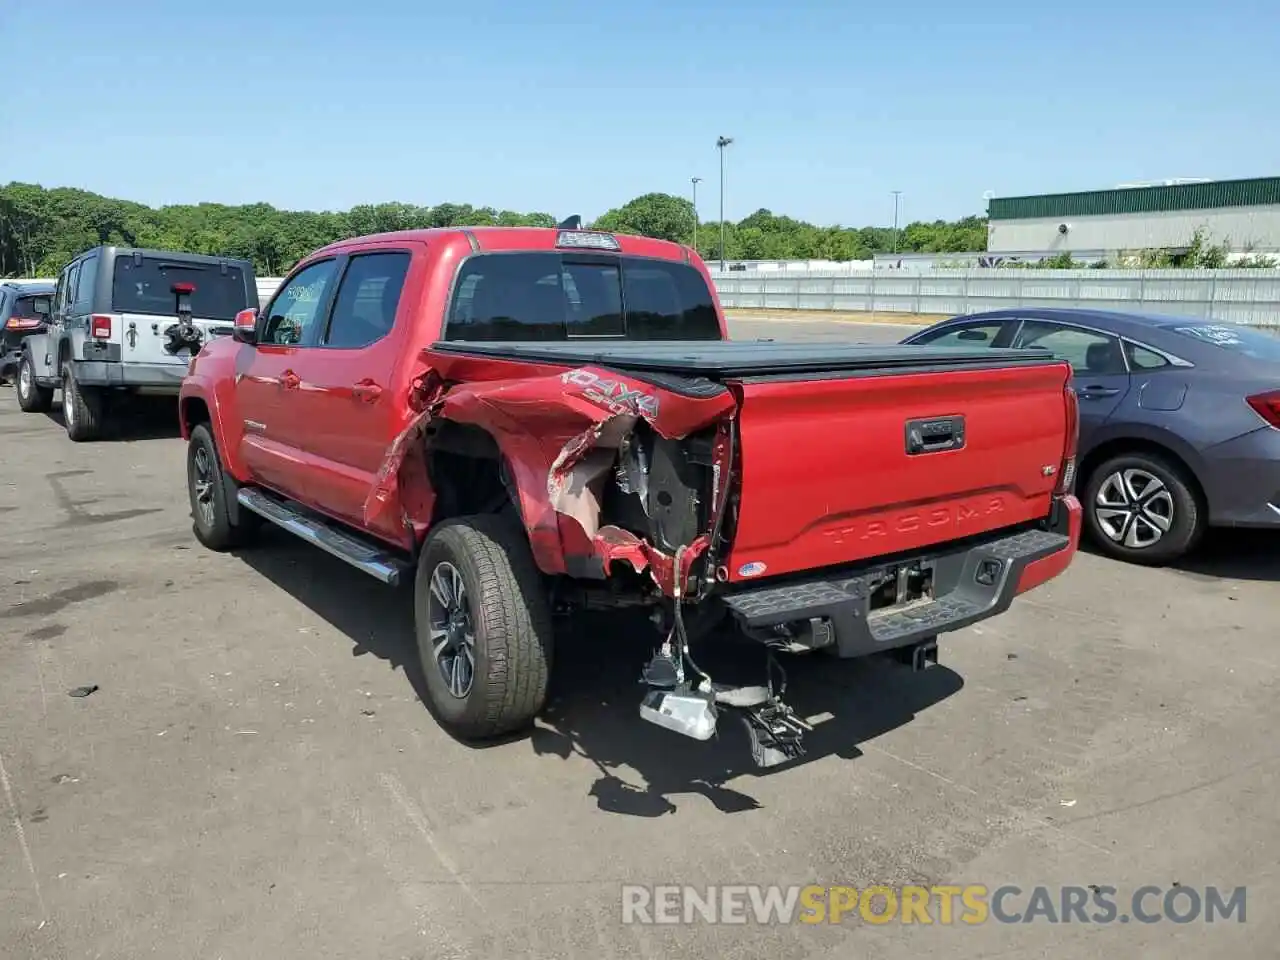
541	419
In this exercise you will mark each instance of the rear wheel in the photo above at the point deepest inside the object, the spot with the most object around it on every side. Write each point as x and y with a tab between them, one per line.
83	408
32	398
1142	507
483	626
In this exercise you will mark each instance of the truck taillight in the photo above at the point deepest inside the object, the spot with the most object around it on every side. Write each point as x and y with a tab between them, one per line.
22	323
1267	406
100	327
1067	471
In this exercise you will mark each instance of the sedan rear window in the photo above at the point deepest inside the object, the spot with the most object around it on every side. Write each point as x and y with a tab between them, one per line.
145	285
1229	336
550	296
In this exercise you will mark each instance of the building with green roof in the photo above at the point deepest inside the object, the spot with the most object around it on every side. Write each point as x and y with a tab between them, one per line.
1243	213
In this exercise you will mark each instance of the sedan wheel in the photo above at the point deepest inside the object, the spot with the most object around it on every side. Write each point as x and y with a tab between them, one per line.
1134	508
1142	507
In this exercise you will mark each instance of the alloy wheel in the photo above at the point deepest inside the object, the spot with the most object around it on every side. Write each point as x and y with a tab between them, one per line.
1134	508
202	466
451	630
24	380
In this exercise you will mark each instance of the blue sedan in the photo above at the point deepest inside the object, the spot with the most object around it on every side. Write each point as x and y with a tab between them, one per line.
1179	419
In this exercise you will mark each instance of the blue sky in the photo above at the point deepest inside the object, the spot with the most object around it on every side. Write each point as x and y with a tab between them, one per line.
568	106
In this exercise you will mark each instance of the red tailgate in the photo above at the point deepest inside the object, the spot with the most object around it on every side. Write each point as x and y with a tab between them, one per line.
826	477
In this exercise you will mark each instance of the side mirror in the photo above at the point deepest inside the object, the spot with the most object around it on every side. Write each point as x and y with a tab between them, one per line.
43	306
246	326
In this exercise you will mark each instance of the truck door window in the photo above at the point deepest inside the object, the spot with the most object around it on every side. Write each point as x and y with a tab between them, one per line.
296	310
365	310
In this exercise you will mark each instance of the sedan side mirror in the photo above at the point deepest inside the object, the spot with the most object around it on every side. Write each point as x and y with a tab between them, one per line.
42	306
246	326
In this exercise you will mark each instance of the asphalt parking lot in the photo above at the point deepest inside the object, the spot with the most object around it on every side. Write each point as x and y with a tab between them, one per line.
256	777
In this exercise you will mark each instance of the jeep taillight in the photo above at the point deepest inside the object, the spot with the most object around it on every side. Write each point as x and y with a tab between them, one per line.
100	327
1067	470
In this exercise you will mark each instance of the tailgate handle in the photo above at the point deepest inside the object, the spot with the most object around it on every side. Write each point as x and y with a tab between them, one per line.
934	434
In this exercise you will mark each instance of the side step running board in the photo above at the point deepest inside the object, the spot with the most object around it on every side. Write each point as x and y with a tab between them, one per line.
377	563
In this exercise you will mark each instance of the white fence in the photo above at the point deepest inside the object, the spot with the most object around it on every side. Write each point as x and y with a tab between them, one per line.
1249	297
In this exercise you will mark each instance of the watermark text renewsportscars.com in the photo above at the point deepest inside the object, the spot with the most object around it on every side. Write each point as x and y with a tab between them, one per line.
970	904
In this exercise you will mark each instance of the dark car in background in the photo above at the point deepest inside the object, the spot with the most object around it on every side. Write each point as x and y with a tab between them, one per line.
1179	419
18	320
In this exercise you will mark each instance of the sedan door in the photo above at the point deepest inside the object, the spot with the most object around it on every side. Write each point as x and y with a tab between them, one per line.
1100	374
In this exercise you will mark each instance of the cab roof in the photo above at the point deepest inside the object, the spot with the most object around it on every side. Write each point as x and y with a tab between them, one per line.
507	239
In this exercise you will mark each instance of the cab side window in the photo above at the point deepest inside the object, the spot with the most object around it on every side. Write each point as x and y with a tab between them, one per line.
296	311
368	297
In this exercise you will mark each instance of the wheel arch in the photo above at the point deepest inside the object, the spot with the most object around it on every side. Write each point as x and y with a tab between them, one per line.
1119	445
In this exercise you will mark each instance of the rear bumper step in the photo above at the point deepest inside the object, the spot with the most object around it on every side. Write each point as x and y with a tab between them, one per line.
364	556
969	584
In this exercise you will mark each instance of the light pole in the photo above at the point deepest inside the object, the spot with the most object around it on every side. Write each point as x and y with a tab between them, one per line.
695	181
896	195
721	143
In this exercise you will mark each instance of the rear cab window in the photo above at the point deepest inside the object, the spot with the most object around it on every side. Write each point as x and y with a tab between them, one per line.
145	285
1226	336
558	296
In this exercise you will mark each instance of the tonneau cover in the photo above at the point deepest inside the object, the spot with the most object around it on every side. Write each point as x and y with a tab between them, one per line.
718	359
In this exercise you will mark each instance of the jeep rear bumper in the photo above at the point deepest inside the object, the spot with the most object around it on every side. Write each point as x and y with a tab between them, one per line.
156	377
969	581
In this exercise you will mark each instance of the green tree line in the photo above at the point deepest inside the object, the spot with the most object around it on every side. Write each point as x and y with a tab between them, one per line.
41	229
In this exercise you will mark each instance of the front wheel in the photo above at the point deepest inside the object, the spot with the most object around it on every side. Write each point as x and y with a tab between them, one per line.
483	627
207	489
1142	508
32	398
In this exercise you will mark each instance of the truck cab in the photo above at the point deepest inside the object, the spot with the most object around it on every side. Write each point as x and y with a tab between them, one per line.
127	321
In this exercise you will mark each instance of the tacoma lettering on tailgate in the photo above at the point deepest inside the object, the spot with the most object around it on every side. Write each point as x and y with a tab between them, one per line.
931	518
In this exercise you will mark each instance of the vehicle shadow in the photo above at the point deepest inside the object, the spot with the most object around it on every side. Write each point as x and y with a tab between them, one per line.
135	418
593	708
1236	555
1223	555
593	713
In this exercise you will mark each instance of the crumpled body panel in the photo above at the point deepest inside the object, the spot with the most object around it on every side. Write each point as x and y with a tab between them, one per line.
559	431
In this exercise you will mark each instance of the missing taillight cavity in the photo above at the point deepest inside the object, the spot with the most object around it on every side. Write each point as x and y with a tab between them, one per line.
1267	406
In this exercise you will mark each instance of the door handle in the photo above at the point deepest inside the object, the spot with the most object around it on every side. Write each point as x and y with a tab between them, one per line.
1097	392
366	390
290	380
